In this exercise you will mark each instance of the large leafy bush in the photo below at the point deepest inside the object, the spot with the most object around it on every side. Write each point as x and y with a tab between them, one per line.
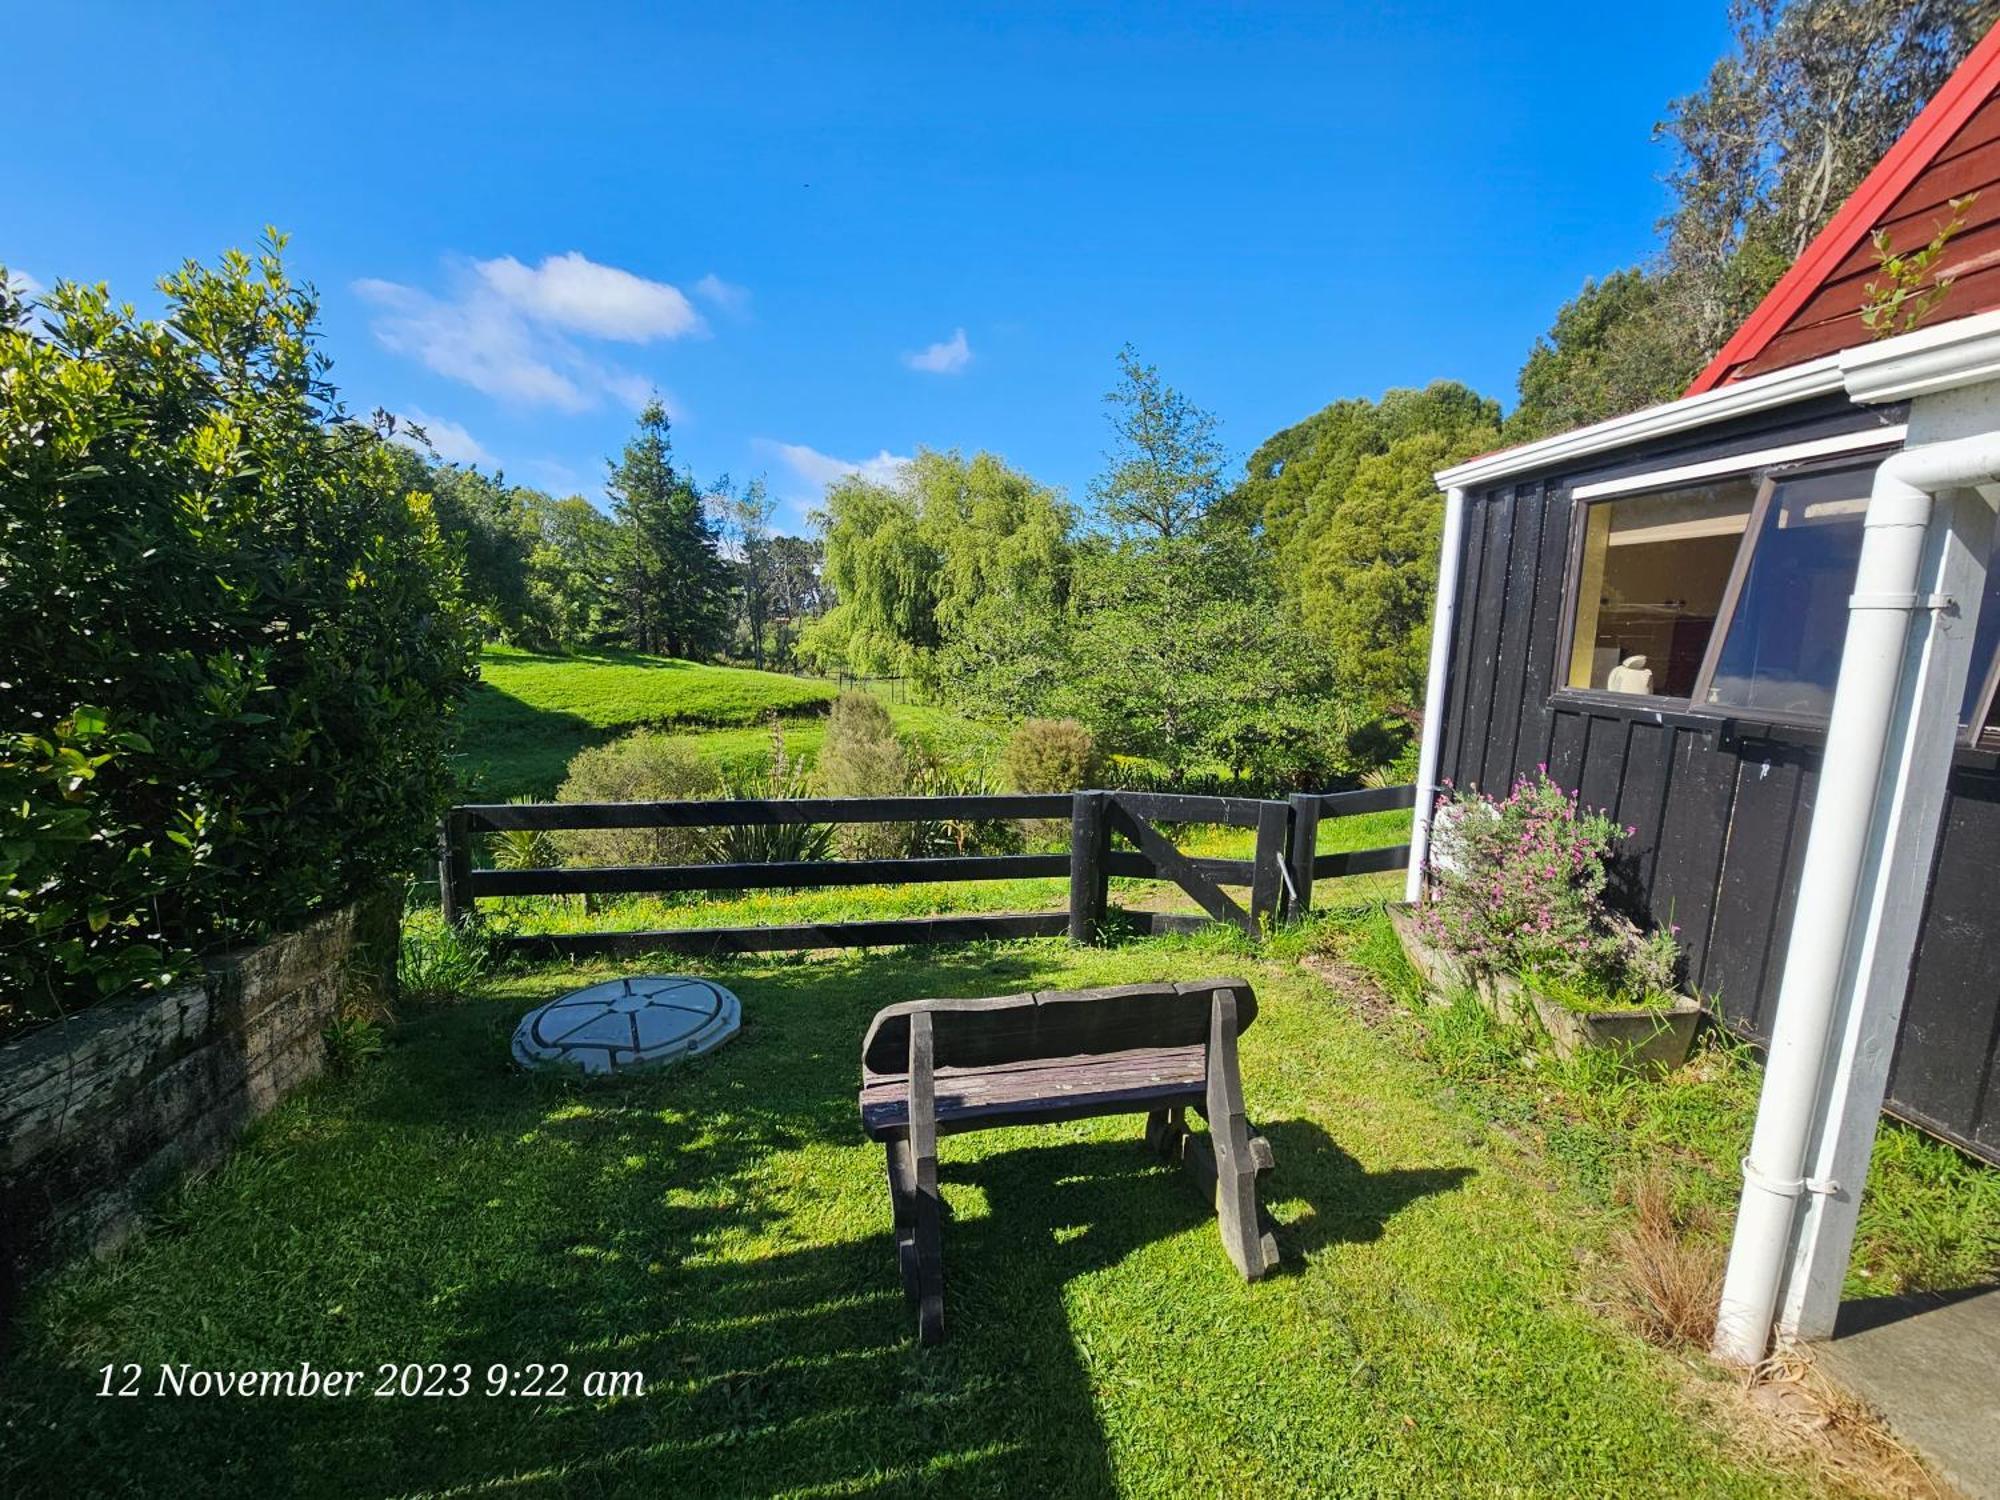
230	640
644	766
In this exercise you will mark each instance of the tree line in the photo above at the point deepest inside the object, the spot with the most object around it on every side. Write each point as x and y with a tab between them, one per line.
673	567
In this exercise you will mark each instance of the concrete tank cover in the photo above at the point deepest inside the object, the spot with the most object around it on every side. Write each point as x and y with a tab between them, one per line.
624	1025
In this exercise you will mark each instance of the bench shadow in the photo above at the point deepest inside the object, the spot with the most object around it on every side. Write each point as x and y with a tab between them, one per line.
1344	1202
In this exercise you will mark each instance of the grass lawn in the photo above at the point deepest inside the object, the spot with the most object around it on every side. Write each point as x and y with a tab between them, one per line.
531	713
724	1231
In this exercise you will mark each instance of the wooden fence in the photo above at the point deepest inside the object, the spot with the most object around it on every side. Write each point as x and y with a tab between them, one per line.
1279	876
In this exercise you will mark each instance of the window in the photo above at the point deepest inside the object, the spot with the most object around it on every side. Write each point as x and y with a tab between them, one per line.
1730	594
1652	571
1780	653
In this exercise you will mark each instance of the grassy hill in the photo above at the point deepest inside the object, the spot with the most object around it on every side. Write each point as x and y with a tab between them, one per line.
532	712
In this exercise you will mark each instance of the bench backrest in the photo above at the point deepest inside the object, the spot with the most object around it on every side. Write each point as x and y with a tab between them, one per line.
1053	1023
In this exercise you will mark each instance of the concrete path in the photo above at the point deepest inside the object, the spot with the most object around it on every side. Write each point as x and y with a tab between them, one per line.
1931	1366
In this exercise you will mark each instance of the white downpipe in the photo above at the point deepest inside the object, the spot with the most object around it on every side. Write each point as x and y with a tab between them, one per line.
1442	616
1818	961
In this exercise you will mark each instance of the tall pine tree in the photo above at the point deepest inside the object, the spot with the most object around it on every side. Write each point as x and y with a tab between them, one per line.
672	584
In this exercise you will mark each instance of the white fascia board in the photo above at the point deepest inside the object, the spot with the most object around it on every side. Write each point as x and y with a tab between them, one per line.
1760	393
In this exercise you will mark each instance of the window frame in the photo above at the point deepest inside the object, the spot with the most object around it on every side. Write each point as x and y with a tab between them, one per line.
1974	733
1767	469
1579	526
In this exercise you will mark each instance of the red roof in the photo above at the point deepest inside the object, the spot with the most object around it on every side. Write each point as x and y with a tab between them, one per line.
1950	150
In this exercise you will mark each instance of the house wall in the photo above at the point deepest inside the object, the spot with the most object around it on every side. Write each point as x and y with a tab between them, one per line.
1721	807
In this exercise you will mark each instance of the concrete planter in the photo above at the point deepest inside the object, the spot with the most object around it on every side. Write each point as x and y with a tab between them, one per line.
1651	1041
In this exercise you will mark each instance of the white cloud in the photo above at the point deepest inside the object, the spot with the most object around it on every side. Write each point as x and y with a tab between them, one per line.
504	328
448	439
822	469
575	293
946	357
731	298
477	339
25	286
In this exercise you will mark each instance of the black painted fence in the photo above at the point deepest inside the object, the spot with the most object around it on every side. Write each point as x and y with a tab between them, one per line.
1279	876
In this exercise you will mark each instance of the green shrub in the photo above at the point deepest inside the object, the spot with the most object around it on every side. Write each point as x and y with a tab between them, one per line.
949	836
234	639
1052	755
522	848
761	843
352	1040
435	961
861	757
641	767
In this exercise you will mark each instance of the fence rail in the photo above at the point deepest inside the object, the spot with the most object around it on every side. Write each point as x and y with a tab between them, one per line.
1279	878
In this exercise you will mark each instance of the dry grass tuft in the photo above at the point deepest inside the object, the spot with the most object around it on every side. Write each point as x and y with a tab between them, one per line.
1668	1266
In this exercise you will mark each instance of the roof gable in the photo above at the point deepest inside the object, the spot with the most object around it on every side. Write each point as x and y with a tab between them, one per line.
1950	150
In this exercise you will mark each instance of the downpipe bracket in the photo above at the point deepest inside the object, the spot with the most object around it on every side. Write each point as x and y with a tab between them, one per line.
1789	1187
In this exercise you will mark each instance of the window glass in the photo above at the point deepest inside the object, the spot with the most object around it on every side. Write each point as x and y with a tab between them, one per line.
1782	650
1654	570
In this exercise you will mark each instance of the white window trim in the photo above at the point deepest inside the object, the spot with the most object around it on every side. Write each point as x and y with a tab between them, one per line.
1742	463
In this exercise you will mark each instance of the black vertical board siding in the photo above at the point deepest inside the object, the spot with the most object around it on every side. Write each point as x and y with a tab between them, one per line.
1943	1075
1538	718
1566	747
1687	869
1788	887
1603	770
1753	867
1488	624
1451	760
1642	802
1516	633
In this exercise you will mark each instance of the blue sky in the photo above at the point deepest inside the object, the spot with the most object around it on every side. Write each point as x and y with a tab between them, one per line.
828	234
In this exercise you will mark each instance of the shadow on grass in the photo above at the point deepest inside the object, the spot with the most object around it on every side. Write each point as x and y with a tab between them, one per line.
722	1229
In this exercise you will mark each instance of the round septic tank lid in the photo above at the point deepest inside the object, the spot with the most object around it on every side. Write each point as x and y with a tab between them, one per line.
625	1024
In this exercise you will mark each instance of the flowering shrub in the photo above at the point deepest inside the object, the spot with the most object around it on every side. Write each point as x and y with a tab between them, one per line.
1518	884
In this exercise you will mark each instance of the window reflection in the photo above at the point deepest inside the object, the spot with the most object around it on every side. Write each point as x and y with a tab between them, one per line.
1781	653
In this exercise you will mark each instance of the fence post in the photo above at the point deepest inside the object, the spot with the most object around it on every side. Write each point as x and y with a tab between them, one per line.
1267	878
1089	841
1305	844
454	868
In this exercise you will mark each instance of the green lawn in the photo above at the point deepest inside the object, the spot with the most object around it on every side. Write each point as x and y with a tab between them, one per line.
531	713
723	1230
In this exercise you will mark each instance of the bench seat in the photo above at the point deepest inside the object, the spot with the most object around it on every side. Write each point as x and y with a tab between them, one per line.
1138	1081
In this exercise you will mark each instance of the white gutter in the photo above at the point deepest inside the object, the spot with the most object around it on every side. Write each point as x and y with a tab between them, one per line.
1443	613
1931	359
1821	962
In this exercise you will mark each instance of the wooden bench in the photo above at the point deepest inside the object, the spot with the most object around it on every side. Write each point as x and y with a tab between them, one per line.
938	1067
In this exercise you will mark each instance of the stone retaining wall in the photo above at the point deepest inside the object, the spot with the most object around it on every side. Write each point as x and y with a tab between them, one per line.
100	1112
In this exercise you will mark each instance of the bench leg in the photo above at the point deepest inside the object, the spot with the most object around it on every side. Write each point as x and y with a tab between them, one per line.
1229	1160
903	1210
926	1230
1164	1129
